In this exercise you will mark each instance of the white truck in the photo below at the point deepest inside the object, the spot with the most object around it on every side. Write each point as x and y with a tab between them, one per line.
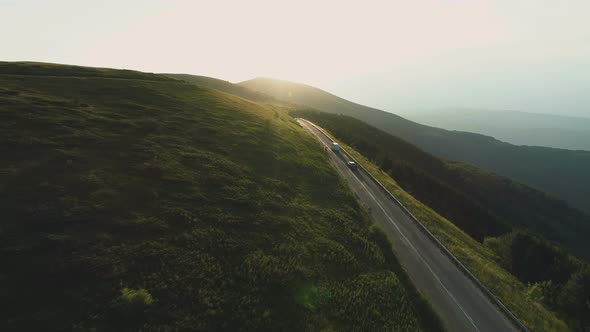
335	147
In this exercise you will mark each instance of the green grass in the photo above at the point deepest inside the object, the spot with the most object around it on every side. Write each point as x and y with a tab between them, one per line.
131	203
479	259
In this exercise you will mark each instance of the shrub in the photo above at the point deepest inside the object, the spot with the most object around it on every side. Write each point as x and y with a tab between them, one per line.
136	297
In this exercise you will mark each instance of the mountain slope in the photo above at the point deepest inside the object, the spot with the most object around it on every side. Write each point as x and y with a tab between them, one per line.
134	204
562	173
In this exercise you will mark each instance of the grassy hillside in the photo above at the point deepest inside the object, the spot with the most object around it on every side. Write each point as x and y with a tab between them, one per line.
134	204
561	173
509	216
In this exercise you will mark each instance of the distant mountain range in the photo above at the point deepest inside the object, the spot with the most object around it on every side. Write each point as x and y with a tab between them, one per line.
520	128
559	172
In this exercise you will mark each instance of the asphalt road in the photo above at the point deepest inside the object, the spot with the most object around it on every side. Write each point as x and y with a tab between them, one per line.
461	305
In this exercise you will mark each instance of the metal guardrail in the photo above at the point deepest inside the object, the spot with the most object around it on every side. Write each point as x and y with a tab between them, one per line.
444	249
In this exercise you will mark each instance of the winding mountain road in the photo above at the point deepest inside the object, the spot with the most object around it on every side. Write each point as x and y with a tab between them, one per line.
459	302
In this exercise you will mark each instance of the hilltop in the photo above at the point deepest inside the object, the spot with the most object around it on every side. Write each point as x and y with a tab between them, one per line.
152	204
561	173
222	85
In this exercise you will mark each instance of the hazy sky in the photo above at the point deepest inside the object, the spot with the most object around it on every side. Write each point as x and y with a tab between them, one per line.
529	55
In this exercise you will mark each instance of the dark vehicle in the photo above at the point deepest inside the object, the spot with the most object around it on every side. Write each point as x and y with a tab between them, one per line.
352	165
335	147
